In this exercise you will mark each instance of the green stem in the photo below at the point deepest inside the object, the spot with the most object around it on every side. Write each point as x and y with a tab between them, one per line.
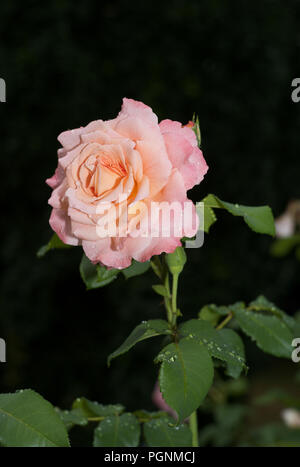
170	301
225	321
95	419
167	299
194	429
174	299
161	270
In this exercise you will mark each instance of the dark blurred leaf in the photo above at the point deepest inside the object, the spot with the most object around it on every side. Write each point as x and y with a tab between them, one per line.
212	313
136	269
54	243
89	409
228	420
145	416
276	395
94	275
161	290
275	434
283	246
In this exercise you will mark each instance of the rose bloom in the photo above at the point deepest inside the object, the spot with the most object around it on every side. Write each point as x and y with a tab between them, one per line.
124	165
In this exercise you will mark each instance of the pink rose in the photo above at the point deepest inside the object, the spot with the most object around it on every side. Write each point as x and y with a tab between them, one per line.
113	172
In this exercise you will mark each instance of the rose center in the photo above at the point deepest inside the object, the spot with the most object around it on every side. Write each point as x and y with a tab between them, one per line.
101	174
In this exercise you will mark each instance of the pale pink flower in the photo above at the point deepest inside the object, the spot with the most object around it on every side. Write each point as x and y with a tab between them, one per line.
128	162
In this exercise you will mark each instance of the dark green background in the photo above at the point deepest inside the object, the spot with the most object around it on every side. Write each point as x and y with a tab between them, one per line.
66	63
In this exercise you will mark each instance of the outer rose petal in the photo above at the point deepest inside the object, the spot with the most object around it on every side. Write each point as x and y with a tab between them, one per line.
61	224
70	138
158	245
102	252
137	109
57	195
183	152
57	178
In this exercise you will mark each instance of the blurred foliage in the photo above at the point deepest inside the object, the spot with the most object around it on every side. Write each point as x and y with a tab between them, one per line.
234	416
68	63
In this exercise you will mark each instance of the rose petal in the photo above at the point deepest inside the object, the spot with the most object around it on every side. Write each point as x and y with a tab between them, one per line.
60	223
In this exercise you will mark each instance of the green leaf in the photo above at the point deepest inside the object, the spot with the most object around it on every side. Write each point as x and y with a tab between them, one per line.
269	332
258	218
53	244
28	420
234	353
224	344
209	216
263	304
89	409
196	129
163	433
185	375
161	290
136	269
209	313
145	330
146	416
71	418
157	266
118	431
95	276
